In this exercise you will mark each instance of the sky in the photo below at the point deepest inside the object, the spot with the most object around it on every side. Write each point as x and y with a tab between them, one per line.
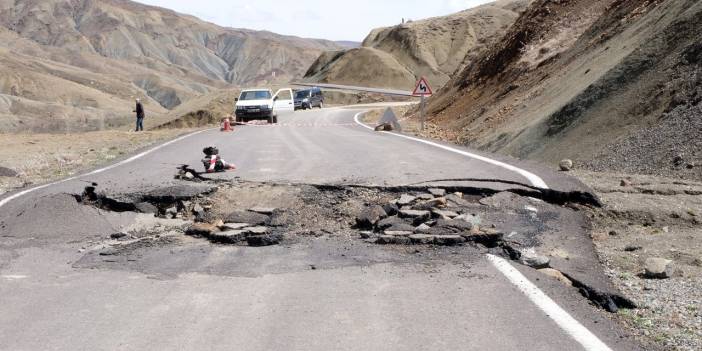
324	19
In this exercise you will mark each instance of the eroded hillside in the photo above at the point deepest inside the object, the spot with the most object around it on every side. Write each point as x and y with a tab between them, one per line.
394	57
614	85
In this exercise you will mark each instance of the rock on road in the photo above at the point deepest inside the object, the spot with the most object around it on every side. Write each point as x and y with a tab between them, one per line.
240	298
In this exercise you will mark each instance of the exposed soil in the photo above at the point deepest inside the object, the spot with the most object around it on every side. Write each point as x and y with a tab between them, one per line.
613	85
644	218
435	48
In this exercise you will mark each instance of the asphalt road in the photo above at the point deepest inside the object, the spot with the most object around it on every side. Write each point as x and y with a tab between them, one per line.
355	88
273	300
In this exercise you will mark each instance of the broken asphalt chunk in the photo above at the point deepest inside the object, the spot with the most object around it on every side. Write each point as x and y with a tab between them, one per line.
177	193
447	227
449	240
145	207
422	239
418	217
393	222
201	229
391	209
431	204
118	235
406	200
397	233
487	238
247	217
234	226
444	214
425	197
255	230
422	229
529	257
228	237
393	240
264	240
370	216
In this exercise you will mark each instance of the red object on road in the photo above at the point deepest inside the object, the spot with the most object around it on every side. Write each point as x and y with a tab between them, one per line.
227	125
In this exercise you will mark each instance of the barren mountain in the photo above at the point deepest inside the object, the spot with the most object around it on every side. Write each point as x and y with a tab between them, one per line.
394	57
78	64
613	84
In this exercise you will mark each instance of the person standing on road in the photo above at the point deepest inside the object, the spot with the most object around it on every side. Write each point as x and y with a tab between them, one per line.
140	116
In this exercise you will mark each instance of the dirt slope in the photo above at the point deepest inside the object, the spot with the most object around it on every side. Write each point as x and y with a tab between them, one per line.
365	66
78	64
393	57
613	84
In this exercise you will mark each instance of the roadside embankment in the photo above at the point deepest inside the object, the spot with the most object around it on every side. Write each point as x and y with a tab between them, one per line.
647	235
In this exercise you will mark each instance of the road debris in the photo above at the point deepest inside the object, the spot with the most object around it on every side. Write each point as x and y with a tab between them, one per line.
264	240
529	257
370	216
247	214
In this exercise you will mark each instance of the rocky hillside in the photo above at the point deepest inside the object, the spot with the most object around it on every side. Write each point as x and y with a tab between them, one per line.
615	85
435	48
78	64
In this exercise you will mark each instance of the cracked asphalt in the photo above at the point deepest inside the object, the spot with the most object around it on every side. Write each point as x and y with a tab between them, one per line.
214	297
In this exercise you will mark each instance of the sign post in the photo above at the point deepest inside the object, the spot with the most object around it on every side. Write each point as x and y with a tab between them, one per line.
421	114
422	90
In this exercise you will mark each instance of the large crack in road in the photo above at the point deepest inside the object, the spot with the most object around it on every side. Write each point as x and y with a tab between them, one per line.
178	226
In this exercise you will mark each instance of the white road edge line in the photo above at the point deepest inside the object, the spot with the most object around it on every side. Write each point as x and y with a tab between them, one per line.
531	177
7	200
564	320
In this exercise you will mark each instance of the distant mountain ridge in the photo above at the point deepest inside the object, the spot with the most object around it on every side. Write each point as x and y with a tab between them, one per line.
77	64
127	30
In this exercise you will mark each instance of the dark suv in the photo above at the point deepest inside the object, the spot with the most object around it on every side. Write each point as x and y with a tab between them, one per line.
309	98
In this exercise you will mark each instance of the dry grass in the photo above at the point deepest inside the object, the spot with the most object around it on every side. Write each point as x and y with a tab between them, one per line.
39	158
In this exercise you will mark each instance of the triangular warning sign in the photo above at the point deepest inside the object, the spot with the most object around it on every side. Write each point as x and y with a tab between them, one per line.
422	88
389	117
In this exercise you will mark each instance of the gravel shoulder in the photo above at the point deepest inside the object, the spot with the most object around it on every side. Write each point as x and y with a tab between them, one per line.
27	159
648	217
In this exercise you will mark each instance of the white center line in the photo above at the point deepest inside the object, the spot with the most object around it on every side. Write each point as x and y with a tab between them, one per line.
531	177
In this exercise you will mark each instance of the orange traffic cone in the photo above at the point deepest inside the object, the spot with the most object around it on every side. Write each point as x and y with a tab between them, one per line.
227	125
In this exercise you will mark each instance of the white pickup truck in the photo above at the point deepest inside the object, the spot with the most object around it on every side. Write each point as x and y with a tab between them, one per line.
262	104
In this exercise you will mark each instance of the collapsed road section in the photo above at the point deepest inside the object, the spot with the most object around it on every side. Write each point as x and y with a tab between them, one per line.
548	234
